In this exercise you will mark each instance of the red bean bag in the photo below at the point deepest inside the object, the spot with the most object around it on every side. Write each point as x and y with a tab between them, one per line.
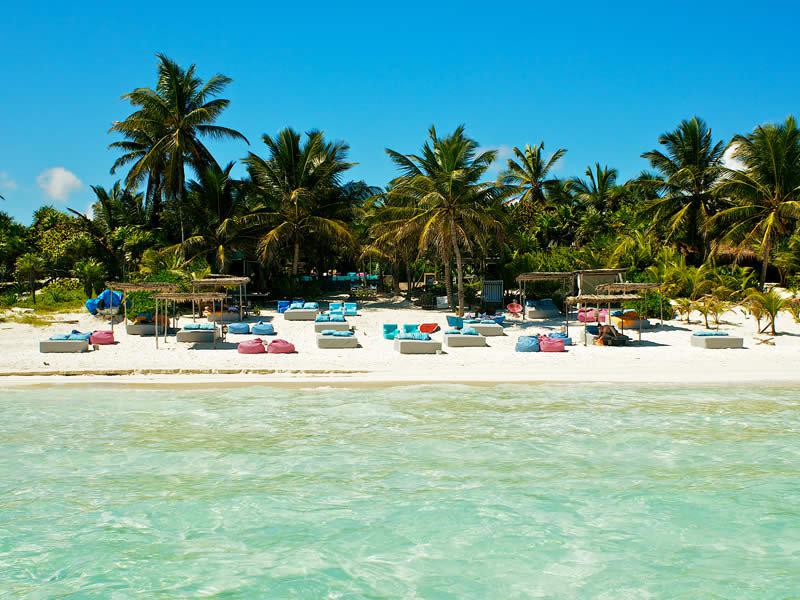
547	344
255	346
102	338
280	347
428	328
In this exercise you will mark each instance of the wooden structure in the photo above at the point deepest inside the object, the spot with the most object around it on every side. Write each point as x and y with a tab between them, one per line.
625	287
182	297
127	286
600	299
539	276
217	281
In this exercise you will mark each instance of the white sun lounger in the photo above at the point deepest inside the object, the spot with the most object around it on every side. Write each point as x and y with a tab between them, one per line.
60	346
487	329
456	340
417	346
717	342
335	326
300	314
336	341
197	335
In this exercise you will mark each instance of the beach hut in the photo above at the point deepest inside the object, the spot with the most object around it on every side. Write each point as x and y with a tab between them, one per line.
126	287
565	278
217	281
163	300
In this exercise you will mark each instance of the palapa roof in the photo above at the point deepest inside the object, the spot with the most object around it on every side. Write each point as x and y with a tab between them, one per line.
208	296
626	286
602	298
545	276
220	280
600	271
129	286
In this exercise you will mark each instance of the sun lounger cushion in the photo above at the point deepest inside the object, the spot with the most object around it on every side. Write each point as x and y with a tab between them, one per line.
309	305
58	337
455	322
337	318
255	346
239	328
335	307
280	347
77	335
102	338
469	331
487	321
350	309
562	336
296	305
707	333
343	334
527	343
198	326
410	328
452	331
429	328
263	329
323	318
390	331
328	331
422	337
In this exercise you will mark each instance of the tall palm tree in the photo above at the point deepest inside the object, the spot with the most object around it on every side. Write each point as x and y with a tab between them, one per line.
294	180
164	134
30	267
690	167
445	200
215	205
599	191
529	175
766	192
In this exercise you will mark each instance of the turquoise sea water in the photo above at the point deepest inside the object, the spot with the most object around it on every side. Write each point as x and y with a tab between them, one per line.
418	492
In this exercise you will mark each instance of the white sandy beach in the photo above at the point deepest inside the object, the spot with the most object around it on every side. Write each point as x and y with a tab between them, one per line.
663	356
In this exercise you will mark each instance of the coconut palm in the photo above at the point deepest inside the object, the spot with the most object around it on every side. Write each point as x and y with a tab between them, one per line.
215	209
442	199
769	304
529	173
689	168
164	134
766	193
599	190
91	275
30	267
294	181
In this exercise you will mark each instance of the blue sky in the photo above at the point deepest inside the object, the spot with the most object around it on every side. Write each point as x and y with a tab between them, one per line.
601	79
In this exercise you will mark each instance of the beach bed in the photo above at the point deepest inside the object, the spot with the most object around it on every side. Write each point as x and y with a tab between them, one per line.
336	342
63	346
486	329
457	340
717	342
417	346
300	314
198	335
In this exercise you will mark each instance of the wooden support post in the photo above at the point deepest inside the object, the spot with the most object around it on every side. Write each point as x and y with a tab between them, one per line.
156	319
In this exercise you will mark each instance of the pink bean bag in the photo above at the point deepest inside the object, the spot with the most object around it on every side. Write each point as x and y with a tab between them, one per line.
102	338
280	347
547	344
255	346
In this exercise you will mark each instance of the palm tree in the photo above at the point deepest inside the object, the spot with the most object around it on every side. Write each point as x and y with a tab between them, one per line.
766	192
215	205
294	181
529	175
30	267
91	274
445	201
599	191
767	303
164	134
689	167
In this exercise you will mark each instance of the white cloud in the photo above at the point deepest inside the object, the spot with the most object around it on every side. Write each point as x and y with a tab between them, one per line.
502	153
731	162
58	183
6	183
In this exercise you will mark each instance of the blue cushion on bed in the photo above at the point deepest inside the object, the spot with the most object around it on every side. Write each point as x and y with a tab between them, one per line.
488	322
453	331
707	333
410	328
310	305
328	332
337	318
343	333
59	337
422	337
77	335
469	331
322	318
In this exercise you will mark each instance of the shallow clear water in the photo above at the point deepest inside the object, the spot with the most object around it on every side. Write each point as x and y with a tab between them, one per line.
419	492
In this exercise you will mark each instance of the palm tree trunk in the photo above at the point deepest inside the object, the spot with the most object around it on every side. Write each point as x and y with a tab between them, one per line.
448	282
32	283
762	279
296	257
459	269
396	278
409	283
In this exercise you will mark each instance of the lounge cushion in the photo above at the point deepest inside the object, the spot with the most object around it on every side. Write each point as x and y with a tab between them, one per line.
102	338
708	333
337	318
469	331
416	335
296	305
343	333
78	335
198	326
255	346
239	328
429	328
283	305
350	309
390	331
280	347
323	318
263	329
310	305
328	331
527	343
410	328
455	322
58	337
452	332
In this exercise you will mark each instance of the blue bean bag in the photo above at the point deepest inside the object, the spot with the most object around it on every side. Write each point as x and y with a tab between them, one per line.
263	329
239	328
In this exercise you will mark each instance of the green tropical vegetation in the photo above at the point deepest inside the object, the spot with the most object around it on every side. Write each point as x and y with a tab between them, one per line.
715	221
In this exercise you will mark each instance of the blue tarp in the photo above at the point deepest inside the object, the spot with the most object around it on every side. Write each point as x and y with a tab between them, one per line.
107	299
